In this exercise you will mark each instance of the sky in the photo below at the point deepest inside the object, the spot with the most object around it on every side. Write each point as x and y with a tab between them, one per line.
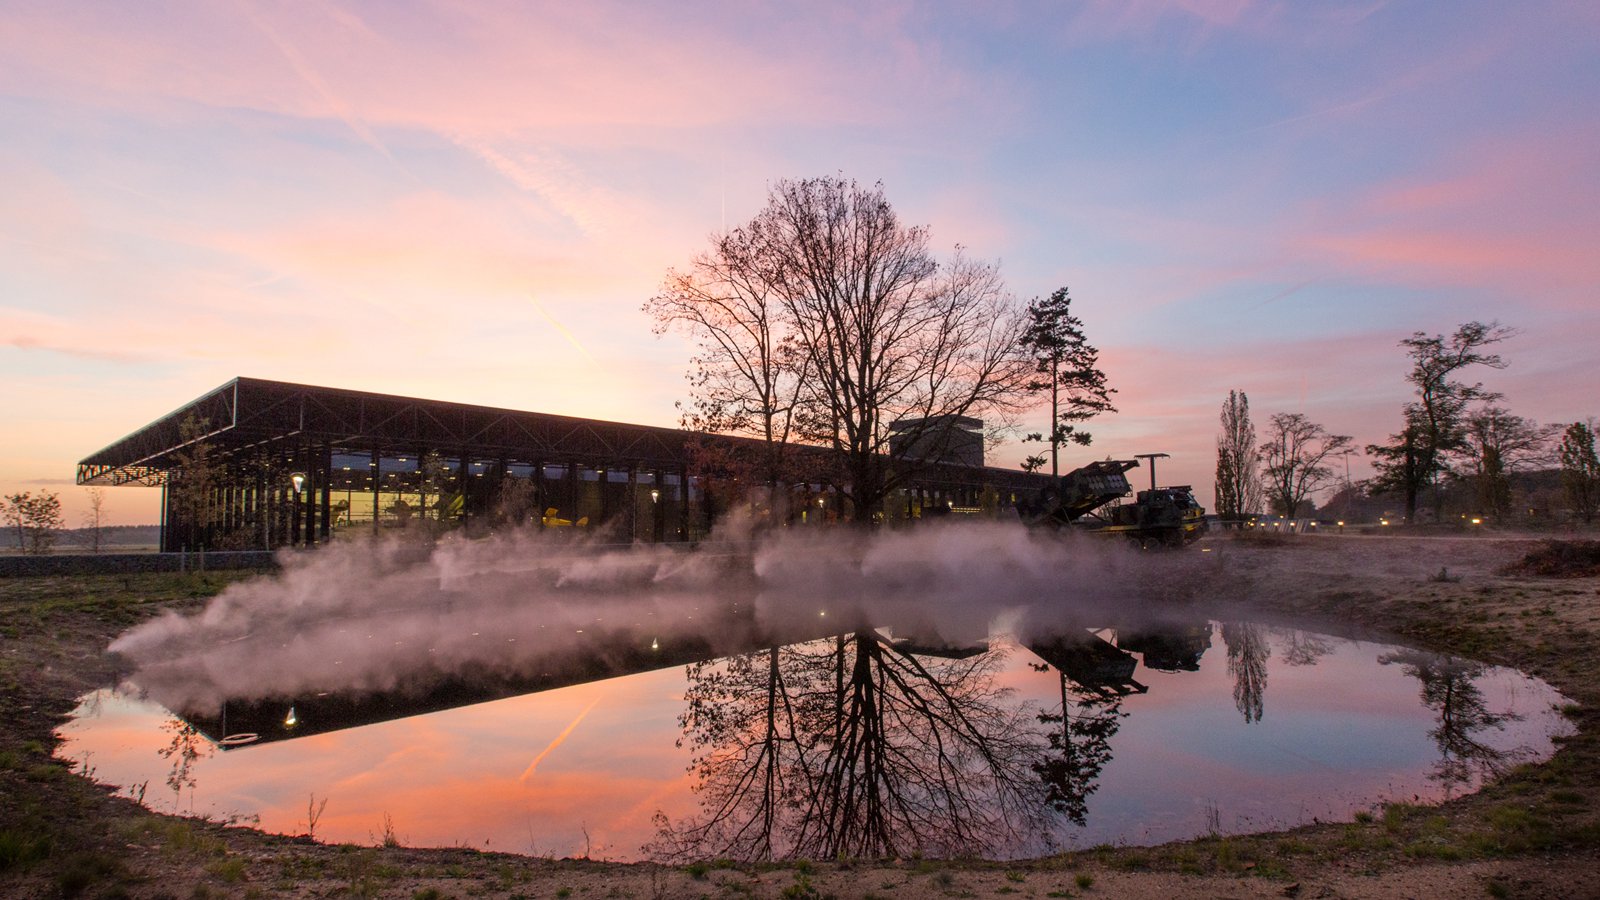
470	201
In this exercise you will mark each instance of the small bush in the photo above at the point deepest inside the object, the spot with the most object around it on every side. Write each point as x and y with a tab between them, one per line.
1559	559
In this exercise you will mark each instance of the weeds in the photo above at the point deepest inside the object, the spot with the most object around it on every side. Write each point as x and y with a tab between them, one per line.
85	870
229	870
390	839
19	848
802	889
314	813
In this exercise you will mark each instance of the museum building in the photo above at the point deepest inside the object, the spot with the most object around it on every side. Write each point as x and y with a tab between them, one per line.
283	464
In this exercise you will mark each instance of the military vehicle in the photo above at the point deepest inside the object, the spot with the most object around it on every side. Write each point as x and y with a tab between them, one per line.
1087	498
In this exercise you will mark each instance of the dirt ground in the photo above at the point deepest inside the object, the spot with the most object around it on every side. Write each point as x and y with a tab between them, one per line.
1535	833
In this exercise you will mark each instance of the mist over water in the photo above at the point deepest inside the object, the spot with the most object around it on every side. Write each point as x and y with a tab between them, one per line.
366	616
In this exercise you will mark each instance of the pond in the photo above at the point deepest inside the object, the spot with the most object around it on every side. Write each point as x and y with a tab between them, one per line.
642	729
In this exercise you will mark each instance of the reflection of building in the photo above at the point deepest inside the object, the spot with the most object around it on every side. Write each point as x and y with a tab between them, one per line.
1170	648
296	463
1090	661
280	718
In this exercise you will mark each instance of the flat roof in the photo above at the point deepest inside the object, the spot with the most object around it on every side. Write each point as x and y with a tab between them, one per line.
249	412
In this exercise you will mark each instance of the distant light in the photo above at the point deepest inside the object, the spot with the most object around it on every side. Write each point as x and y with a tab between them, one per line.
1477	521
1341	524
655	644
291	720
298	479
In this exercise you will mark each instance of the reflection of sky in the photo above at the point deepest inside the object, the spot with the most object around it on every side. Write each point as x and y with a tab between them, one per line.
1336	737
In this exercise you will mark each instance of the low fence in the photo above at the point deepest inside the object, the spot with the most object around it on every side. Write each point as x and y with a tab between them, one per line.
127	563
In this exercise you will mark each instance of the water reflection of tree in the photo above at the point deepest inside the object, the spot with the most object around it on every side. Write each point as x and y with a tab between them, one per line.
1080	746
1247	663
1449	689
855	747
187	747
1302	648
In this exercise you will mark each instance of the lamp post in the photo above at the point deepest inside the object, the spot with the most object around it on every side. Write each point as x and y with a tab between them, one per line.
298	480
1349	494
1152	457
656	526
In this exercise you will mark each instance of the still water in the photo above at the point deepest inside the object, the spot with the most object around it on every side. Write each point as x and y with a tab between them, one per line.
862	744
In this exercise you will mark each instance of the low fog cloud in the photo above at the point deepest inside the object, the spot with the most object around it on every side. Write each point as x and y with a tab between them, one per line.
379	616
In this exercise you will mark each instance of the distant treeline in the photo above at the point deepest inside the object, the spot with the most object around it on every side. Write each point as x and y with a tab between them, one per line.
70	539
1536	496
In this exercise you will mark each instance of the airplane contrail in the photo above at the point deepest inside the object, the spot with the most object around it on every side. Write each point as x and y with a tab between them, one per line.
528	772
561	330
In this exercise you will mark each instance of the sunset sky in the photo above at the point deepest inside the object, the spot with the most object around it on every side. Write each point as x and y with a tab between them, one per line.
470	201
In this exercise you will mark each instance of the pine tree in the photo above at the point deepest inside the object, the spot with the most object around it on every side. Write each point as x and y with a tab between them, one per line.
1066	365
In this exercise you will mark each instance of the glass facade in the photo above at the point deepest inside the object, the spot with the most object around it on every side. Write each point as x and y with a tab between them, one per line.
299	465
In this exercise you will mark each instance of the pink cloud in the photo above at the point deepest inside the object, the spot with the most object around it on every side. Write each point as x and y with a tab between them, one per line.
1512	215
488	69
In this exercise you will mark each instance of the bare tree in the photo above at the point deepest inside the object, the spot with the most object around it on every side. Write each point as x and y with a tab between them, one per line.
94	517
1497	443
748	373
893	341
1238	481
1067	366
1295	453
516	502
1580	470
195	475
432	478
1419	454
